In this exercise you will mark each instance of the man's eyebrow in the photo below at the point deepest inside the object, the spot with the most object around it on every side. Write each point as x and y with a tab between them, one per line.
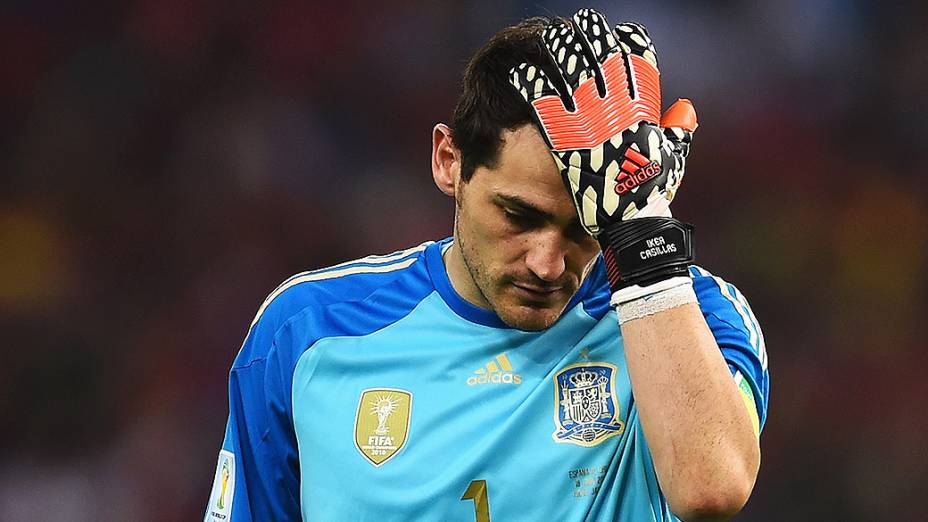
517	203
522	205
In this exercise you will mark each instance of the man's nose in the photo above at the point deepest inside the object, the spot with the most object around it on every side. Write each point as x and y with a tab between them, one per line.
546	257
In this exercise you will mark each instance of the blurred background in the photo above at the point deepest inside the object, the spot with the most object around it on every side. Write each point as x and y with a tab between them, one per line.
165	164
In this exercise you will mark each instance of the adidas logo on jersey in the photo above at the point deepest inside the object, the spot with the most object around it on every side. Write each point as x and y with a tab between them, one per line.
497	371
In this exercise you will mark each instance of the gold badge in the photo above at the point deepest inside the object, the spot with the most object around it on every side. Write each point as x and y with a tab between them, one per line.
382	423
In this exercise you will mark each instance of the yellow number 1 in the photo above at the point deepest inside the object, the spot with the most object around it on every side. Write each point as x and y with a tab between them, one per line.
477	490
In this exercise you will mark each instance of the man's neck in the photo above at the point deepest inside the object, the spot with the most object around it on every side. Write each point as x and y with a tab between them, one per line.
460	277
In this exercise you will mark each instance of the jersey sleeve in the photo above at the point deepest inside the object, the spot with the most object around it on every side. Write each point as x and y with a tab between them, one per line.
257	476
738	335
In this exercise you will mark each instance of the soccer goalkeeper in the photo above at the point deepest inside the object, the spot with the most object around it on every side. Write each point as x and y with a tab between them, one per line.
561	357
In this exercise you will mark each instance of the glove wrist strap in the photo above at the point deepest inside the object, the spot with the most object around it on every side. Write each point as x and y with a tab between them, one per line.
644	251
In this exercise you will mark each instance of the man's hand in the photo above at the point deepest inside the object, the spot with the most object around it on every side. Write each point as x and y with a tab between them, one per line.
602	122
599	109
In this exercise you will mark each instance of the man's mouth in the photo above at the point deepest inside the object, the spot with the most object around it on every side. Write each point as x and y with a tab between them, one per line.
536	293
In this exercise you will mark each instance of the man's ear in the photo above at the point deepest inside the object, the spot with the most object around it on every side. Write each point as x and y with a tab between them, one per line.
446	160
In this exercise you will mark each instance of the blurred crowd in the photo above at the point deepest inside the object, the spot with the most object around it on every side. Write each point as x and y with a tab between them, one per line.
165	164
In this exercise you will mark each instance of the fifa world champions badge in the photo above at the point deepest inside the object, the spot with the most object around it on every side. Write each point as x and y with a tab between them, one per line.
585	403
382	423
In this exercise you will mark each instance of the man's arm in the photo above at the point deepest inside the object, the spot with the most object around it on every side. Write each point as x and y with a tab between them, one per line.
701	436
257	476
599	108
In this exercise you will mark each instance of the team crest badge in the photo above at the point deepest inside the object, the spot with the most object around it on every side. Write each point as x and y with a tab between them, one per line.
382	423
586	406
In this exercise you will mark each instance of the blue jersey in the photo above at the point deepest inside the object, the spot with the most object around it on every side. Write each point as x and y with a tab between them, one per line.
372	391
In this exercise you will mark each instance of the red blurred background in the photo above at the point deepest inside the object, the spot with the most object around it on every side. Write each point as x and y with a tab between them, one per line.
163	165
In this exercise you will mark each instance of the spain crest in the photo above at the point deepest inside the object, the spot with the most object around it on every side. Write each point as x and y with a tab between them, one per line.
585	404
382	423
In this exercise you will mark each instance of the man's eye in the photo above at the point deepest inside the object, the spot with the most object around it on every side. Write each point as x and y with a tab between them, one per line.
577	233
518	219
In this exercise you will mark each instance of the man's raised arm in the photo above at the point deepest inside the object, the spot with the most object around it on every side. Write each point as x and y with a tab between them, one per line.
599	109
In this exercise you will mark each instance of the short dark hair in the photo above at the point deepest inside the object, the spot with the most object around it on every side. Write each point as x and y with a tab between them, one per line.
488	103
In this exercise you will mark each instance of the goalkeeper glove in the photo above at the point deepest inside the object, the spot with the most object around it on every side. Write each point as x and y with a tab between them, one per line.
620	160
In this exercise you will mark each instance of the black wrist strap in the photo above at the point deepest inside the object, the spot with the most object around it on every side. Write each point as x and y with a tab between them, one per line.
643	251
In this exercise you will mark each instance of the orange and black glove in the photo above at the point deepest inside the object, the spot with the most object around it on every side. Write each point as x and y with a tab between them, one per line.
599	110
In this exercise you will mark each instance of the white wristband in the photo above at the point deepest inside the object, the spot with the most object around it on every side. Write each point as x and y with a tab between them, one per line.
654	303
630	293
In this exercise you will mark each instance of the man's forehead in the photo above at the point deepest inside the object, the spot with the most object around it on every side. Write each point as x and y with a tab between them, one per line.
523	139
524	158
526	175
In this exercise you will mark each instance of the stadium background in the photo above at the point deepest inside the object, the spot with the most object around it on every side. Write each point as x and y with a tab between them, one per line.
164	164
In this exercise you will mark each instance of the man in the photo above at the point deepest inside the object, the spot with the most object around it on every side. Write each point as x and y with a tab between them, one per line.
487	376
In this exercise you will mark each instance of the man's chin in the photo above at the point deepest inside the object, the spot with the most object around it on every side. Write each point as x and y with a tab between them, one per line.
530	318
